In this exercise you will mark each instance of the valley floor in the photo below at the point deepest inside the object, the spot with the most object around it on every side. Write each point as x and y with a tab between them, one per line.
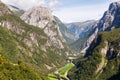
61	73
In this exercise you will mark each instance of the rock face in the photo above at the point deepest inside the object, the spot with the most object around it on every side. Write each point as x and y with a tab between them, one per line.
110	18
38	16
41	17
109	21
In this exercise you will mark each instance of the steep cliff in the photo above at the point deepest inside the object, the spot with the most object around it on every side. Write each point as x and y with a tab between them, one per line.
109	21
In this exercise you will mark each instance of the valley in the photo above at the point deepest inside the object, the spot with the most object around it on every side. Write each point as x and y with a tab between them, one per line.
61	73
36	45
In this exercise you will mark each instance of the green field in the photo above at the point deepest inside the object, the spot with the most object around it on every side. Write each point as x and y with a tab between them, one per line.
52	77
62	72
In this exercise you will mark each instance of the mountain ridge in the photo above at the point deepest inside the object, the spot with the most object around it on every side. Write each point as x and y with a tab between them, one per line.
109	21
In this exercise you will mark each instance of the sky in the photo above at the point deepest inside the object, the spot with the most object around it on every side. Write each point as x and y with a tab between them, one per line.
68	10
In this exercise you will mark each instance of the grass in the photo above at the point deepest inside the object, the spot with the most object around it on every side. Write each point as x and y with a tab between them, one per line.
62	72
66	68
52	77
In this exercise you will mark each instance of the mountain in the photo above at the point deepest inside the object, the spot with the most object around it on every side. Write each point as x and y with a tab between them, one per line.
106	23
65	32
42	18
14	54
40	46
80	32
102	58
109	21
54	44
78	29
102	61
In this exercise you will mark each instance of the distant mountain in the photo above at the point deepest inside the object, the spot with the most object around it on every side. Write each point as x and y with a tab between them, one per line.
78	29
70	38
16	10
102	58
80	32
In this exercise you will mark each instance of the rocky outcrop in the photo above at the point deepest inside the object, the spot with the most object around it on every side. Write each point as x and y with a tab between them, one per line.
41	17
105	49
112	53
110	18
38	16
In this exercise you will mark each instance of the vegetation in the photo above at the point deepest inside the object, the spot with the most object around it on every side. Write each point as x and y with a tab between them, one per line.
111	69
66	68
61	73
19	12
86	68
19	71
14	45
63	30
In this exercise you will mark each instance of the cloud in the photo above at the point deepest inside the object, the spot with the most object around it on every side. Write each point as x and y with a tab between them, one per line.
23	4
81	13
53	4
26	4
66	14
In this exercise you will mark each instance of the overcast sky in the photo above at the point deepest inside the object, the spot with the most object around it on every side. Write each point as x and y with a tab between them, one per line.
68	10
